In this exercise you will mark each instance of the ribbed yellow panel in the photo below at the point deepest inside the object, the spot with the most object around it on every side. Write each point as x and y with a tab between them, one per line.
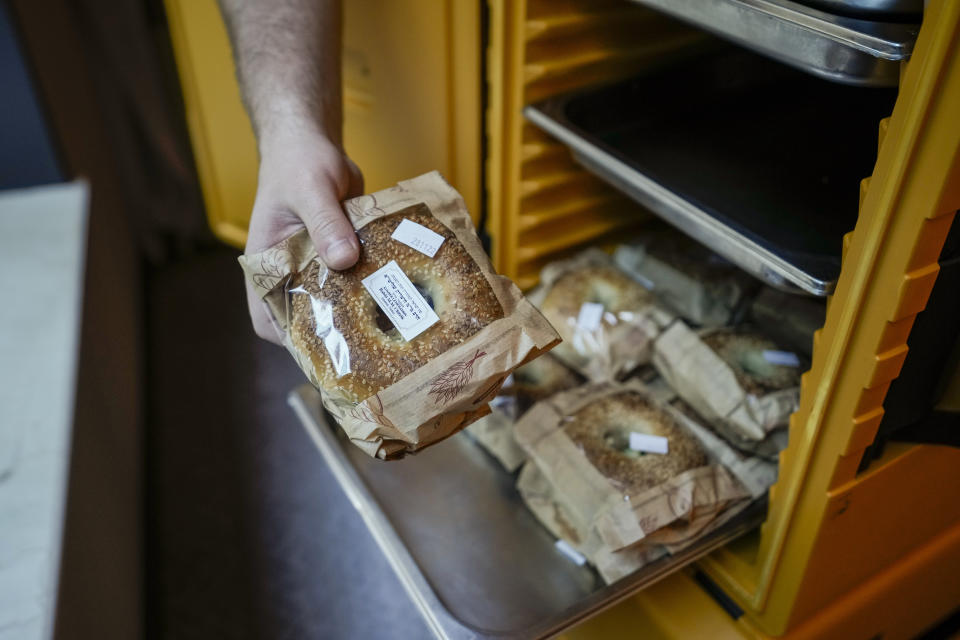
412	102
542	204
412	91
822	564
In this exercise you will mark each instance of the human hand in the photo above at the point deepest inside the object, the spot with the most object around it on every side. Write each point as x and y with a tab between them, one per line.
303	179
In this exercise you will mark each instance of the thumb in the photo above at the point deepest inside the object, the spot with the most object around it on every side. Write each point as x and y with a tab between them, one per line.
331	232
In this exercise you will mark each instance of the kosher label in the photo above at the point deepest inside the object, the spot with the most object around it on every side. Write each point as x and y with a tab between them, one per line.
589	317
648	443
400	300
418	237
782	358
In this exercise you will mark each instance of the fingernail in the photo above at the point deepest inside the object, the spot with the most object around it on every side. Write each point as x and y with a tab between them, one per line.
340	254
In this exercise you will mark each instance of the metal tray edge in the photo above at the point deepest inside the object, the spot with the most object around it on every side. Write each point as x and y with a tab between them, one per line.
684	215
434	614
438	619
882	40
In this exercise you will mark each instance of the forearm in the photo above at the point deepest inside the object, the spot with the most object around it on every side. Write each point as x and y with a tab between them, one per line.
287	54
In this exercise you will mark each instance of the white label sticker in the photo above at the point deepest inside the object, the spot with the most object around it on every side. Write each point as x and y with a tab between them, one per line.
400	300
418	237
589	317
564	547
782	358
648	443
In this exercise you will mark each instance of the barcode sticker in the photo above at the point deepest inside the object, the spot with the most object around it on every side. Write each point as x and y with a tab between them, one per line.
648	443
782	358
418	237
589	317
564	547
400	300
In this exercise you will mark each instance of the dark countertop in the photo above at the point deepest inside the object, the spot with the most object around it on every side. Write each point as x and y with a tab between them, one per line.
248	534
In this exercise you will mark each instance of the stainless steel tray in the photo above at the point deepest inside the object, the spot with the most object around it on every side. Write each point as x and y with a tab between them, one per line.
471	557
757	161
839	48
878	9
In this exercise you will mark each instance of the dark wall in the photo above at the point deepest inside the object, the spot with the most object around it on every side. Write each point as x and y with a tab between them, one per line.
27	155
101	576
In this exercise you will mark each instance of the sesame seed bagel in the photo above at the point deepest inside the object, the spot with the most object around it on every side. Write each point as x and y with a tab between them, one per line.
602	431
339	326
743	352
600	284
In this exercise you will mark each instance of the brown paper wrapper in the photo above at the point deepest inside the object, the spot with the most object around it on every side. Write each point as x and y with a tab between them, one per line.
530	383
591	503
623	338
790	319
544	501
755	471
451	390
710	386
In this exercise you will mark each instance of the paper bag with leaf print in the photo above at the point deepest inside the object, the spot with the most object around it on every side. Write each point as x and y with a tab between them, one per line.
527	385
542	499
737	379
583	443
409	345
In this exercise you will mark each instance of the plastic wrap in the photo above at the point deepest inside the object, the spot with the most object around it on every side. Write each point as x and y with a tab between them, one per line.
411	343
606	319
686	277
791	319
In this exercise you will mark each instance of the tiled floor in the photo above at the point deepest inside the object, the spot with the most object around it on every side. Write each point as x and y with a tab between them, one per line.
249	536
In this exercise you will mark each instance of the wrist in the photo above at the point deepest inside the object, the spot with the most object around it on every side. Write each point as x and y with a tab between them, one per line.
293	135
284	117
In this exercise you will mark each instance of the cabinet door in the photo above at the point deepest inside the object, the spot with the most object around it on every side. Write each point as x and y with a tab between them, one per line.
411	98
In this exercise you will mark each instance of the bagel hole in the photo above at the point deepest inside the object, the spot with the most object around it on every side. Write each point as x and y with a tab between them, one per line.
426	294
618	439
753	363
604	294
383	321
